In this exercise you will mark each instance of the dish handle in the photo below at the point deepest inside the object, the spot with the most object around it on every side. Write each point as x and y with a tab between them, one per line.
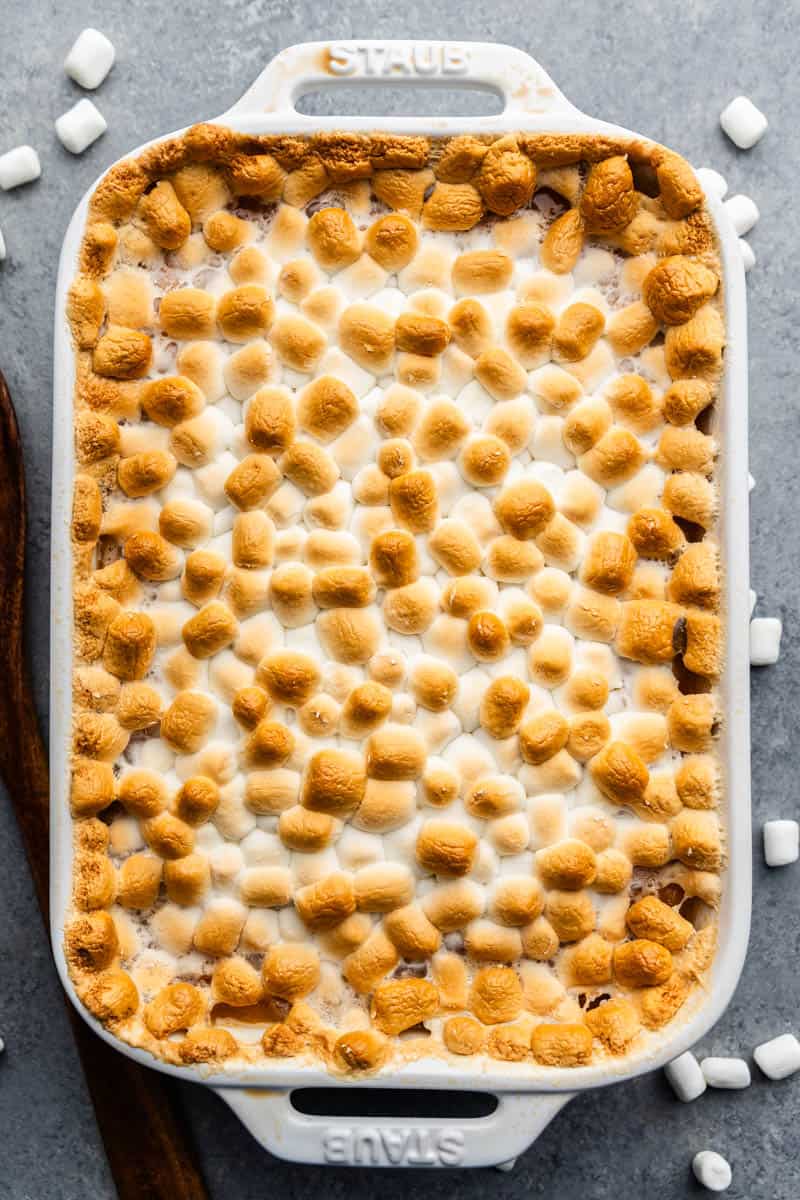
523	85
363	1141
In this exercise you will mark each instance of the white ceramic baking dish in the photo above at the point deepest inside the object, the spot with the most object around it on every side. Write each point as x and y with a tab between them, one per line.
261	1096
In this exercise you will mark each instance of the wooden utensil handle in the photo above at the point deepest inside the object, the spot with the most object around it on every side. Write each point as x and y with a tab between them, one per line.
149	1152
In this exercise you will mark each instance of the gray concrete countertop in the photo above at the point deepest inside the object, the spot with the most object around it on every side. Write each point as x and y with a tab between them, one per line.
665	69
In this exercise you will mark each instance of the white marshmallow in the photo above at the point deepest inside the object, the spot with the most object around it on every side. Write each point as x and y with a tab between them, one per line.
17	166
780	1057
743	213
743	122
712	1171
753	601
751	483
781	843
2	246
765	641
725	1072
80	126
90	59
685	1077
712	183
748	254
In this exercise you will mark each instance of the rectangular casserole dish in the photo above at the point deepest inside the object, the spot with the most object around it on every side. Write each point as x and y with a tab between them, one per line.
529	1096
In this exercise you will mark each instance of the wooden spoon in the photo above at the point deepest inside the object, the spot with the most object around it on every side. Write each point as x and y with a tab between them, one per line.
148	1149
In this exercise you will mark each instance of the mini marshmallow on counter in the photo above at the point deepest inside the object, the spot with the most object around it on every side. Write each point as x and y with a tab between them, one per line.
751	483
686	1077
743	213
743	122
780	1057
781	842
712	183
748	254
712	1170
90	59
2	246
765	641
753	601
18	166
80	126
725	1072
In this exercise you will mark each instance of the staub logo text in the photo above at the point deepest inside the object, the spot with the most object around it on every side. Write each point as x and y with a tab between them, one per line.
398	58
370	1146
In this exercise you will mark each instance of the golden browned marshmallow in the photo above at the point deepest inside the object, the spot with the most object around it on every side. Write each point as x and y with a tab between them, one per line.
249	266
253	543
608	563
696	839
244	313
529	329
225	232
704	650
652	919
433	684
392	241
139	880
562	1045
471	327
152	557
517	900
563	242
680	192
139	706
568	865
402	1003
130	645
506	177
642	963
524	508
650	631
187	314
304	830
633	403
374	958
165	219
86	310
291	970
188	721
290	591
210	631
309	468
395	753
349	635
414	500
416	333
630	329
171	399
697	782
694	349
588	422
269	744
333	239
334	782
256	175
485	941
619	773
289	676
326	407
397	412
614	458
578	328
655	535
202	577
588	733
367	334
495	995
87	509
96	437
296	279
609	199
446	848
485	460
175	1008
360	1050
503	706
142	793
236	982
197	800
677	287
366	707
412	933
463	1035
168	836
571	914
145	473
393	558
461	158
686	449
441	430
685	399
250	705
122	353
452	208
91	941
97	249
92	787
481	271
487	637
270	422
695	577
511	561
111	996
500	374
323	904
542	736
690	497
298	343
